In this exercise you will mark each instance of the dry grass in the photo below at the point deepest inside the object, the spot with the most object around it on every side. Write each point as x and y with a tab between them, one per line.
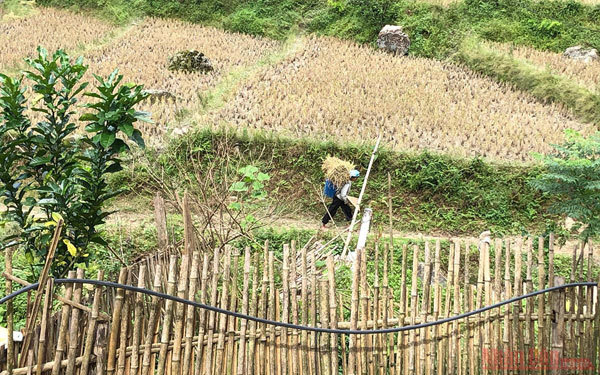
142	57
50	28
586	75
340	90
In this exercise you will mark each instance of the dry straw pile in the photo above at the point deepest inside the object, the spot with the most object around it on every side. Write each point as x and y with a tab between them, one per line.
50	28
142	57
337	170
587	75
342	90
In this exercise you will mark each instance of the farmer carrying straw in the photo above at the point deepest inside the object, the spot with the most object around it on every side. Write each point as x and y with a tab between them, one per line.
340	175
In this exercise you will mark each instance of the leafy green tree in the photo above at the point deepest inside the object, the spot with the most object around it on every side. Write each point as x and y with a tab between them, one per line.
573	176
49	171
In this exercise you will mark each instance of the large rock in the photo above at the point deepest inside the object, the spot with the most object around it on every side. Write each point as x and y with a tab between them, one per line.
392	39
582	54
190	61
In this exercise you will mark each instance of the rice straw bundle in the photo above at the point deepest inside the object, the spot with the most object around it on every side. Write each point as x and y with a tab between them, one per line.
337	170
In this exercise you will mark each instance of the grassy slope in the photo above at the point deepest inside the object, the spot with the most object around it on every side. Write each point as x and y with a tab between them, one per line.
431	192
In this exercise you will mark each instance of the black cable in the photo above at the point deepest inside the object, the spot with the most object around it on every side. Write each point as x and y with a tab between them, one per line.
296	326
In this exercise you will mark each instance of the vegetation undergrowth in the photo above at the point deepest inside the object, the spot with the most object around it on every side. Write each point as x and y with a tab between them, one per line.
431	192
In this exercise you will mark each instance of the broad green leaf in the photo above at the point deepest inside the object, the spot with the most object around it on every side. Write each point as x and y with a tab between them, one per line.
239	186
57	217
107	139
70	247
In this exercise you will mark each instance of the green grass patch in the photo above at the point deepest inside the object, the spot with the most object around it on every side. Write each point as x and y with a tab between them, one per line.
431	192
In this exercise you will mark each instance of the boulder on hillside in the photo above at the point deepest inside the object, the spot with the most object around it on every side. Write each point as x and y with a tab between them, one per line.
392	39
190	61
579	53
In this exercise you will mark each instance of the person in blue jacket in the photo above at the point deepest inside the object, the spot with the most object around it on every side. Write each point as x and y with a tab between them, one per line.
340	200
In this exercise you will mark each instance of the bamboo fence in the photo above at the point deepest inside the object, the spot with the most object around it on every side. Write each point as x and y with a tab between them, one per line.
97	330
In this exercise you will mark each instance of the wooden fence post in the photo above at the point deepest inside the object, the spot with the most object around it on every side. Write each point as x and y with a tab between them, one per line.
558	326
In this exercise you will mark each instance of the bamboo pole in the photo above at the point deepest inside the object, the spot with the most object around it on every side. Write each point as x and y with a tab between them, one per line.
354	312
558	326
529	333
91	329
455	357
485	247
437	295
46	310
166	326
189	322
137	323
32	316
10	325
152	324
251	361
304	297
426	354
179	316
241	361
376	341
332	314
64	321
286	307
219	354
202	318
518	291
364	299
497	294
231	322
469	306
295	362
543	342
445	343
262	355
125	319
360	196
400	355
114	330
413	310
212	315
272	304
160	217
389	359
73	329
507	336
326	358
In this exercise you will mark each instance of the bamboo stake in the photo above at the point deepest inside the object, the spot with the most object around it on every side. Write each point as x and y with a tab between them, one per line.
253	311
485	247
223	318
73	342
558	326
160	217
343	349
354	312
137	323
414	309
180	308
325	359
543	342
304	297
529	334
202	319
241	362
262	359
436	306
455	359
92	325
114	330
212	315
518	291
497	293
189	323
507	337
32	316
364	298
100	348
166	326
43	326
332	314
152	323
425	309
272	304
125	318
386	307
400	362
10	327
64	321
360	196
469	306
231	322
376	341
286	308
445	344
294	363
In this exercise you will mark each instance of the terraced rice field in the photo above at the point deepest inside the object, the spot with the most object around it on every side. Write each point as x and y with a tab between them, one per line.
50	28
337	89
585	74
